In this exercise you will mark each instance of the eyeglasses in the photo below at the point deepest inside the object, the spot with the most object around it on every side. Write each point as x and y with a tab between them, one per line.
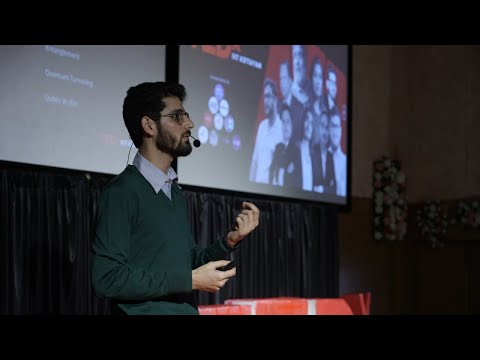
178	115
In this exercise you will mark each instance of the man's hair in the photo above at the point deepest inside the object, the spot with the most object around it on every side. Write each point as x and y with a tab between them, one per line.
304	54
146	99
272	84
285	107
331	69
324	113
316	60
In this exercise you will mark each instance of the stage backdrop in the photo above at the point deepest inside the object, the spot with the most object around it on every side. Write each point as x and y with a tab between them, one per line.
46	228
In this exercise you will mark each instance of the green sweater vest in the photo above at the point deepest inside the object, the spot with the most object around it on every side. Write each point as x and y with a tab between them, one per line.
143	252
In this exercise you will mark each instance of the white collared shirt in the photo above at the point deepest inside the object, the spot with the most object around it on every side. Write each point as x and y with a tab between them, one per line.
156	177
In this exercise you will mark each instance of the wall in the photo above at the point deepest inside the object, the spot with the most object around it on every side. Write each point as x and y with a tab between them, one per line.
371	110
435	118
418	104
409	277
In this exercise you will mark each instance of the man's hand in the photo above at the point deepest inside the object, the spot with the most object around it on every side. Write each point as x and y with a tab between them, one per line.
246	221
208	278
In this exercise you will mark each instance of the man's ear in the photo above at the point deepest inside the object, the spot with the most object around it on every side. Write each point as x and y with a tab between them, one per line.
148	125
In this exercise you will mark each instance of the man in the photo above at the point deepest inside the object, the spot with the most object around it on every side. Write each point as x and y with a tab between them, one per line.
144	257
269	134
301	90
323	173
285	83
339	158
318	98
332	91
283	169
305	150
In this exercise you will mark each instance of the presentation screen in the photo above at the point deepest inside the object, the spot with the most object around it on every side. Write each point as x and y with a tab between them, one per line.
272	119
61	105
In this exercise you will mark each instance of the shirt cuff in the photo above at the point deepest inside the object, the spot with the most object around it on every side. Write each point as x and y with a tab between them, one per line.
227	245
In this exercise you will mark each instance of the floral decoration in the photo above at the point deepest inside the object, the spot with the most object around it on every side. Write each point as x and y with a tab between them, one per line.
389	202
432	222
468	213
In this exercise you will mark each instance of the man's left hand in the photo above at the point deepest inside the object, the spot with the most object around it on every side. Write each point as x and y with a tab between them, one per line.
246	221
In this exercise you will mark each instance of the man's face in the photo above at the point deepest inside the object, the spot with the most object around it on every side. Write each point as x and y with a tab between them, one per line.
173	138
317	79
308	126
285	80
332	84
298	63
323	130
287	125
268	100
335	131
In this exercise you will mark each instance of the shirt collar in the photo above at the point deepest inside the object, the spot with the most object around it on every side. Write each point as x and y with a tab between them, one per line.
156	177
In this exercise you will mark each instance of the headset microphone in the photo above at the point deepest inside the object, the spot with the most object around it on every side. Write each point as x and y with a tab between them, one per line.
196	142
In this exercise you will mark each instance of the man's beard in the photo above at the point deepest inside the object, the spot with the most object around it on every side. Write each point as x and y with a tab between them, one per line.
166	143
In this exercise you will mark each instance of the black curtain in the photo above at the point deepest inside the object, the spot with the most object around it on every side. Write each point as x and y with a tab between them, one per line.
46	228
292	253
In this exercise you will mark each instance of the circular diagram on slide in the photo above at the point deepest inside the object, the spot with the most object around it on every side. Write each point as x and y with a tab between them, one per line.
229	123
218	121
202	134
213	137
219	91
207	119
224	107
213	105
236	142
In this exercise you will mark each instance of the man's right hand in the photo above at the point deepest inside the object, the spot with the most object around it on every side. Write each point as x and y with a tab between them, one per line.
208	278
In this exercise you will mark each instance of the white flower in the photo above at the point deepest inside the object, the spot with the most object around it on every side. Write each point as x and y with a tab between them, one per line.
432	222
388	199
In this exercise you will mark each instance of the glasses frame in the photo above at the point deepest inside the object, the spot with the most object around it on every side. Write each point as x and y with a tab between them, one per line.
178	115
